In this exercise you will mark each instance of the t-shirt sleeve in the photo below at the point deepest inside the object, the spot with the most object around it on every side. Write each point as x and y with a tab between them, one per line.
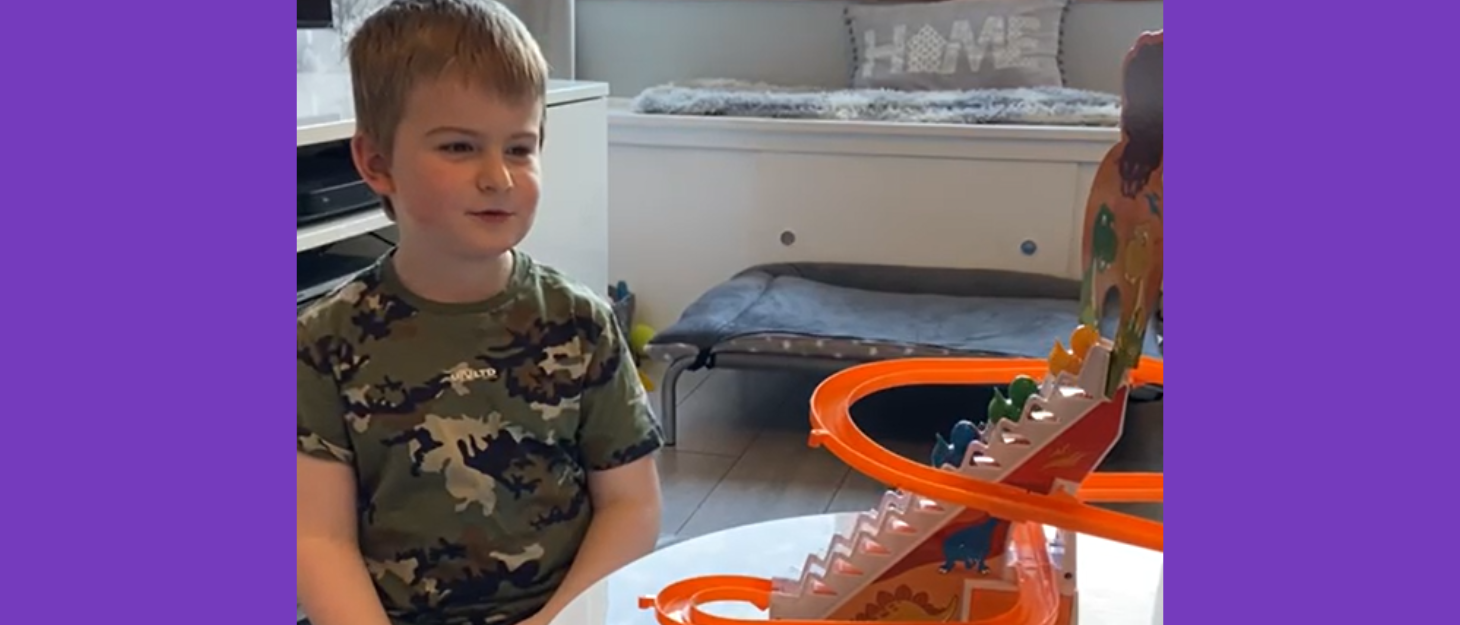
321	410
617	426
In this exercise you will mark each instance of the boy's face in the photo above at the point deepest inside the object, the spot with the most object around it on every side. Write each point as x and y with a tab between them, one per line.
463	175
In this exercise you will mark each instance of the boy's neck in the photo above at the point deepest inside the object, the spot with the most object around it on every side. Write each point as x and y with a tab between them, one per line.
452	281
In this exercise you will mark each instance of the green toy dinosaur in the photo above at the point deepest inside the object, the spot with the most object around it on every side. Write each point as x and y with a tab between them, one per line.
1020	390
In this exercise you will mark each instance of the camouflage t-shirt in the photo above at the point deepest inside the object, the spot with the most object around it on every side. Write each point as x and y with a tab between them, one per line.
471	430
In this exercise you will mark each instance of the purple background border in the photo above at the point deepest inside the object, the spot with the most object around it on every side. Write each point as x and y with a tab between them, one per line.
1313	210
148	465
146	313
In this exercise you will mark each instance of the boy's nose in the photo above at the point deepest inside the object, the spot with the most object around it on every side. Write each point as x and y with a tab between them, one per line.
494	177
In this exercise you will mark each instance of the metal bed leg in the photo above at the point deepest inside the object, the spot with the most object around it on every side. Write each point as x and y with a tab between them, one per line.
669	398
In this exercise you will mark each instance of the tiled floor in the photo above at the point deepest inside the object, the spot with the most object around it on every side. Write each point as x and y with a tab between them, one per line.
742	455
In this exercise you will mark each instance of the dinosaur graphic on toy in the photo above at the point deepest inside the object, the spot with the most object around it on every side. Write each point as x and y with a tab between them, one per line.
971	546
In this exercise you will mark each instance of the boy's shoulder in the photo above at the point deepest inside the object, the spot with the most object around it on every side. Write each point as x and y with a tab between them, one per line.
334	312
558	290
365	307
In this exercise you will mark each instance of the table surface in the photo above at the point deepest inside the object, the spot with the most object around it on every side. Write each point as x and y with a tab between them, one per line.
1118	583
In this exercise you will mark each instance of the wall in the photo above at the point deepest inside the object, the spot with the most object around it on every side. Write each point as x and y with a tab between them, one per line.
634	44
551	22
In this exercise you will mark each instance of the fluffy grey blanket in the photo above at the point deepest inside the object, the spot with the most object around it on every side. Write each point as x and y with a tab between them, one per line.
1045	106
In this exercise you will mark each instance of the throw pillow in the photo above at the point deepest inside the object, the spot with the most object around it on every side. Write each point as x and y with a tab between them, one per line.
957	44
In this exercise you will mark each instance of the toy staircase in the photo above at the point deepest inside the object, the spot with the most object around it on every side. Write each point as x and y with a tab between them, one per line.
876	541
902	521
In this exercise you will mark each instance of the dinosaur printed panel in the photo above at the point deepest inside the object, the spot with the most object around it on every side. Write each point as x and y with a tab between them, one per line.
1123	245
954	547
941	582
928	584
941	601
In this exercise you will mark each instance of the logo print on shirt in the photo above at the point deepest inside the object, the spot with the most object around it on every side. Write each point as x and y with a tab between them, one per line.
464	375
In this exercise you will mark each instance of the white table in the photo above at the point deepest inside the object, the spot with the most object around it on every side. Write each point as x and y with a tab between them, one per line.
1118	583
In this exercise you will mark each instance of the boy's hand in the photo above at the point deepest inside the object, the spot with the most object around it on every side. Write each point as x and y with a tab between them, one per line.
627	508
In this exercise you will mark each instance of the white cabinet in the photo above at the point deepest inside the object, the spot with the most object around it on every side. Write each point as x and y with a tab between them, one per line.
738	192
571	229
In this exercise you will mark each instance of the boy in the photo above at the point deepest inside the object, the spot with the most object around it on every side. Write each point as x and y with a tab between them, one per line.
474	444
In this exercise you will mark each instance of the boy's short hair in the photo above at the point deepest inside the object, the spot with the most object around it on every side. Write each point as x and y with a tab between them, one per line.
407	42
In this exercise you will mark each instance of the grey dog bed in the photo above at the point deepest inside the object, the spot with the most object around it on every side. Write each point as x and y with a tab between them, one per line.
831	314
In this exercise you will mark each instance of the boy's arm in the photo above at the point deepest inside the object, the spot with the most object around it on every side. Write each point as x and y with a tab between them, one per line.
619	436
334	587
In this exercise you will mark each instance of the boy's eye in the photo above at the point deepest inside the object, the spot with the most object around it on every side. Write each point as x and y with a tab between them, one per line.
522	151
457	148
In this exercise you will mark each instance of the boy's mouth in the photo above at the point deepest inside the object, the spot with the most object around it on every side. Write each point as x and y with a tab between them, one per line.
491	214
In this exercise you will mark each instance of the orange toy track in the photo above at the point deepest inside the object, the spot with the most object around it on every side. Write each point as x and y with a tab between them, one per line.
833	428
1123	487
1039	599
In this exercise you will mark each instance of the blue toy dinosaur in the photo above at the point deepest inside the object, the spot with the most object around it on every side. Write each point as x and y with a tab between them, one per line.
951	451
970	546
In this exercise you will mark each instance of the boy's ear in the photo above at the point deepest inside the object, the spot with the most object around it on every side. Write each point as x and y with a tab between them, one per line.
372	163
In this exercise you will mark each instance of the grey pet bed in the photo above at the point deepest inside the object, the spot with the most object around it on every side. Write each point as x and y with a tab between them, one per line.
832	315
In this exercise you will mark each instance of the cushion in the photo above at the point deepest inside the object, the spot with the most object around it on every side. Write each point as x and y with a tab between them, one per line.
957	44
